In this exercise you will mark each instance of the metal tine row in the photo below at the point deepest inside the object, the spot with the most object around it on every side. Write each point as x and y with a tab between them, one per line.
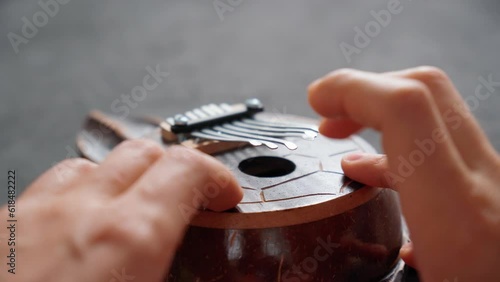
220	137
288	144
275	131
269	128
204	112
217	135
232	126
281	125
255	132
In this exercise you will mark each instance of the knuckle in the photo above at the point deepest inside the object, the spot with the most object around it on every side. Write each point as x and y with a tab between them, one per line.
411	95
203	166
430	74
52	210
116	178
79	165
342	75
139	234
186	156
51	213
147	148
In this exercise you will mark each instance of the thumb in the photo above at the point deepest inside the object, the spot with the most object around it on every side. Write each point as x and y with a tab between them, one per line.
369	169
407	253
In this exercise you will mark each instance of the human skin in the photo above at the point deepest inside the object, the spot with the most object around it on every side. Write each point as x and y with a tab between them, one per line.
117	221
120	220
451	200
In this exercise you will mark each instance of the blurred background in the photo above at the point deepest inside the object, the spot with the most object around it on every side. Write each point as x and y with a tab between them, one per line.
59	60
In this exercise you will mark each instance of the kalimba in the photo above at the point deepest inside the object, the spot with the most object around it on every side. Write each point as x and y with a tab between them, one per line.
300	219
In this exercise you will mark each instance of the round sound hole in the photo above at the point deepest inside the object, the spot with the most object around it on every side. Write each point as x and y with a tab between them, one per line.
267	166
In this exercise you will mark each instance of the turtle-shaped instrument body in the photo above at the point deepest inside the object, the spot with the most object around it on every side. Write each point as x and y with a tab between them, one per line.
300	219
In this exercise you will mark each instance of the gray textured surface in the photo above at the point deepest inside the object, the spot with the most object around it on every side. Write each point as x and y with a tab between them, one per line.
92	51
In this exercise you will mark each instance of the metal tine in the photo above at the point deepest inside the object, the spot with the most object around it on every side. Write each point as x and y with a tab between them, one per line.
288	144
225	107
208	110
218	110
200	113
280	125
220	138
268	128
262	133
171	121
191	115
266	143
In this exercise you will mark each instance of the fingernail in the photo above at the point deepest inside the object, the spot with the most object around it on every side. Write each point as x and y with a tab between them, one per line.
354	157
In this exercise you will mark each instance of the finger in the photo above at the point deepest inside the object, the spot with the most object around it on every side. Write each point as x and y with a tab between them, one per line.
125	164
464	130
401	108
60	177
404	111
187	176
183	181
339	128
171	192
366	168
408	255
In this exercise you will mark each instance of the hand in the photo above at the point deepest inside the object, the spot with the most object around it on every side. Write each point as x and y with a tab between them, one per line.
446	171
121	220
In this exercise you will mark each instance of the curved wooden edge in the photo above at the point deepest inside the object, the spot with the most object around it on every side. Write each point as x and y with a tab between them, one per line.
103	120
228	220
